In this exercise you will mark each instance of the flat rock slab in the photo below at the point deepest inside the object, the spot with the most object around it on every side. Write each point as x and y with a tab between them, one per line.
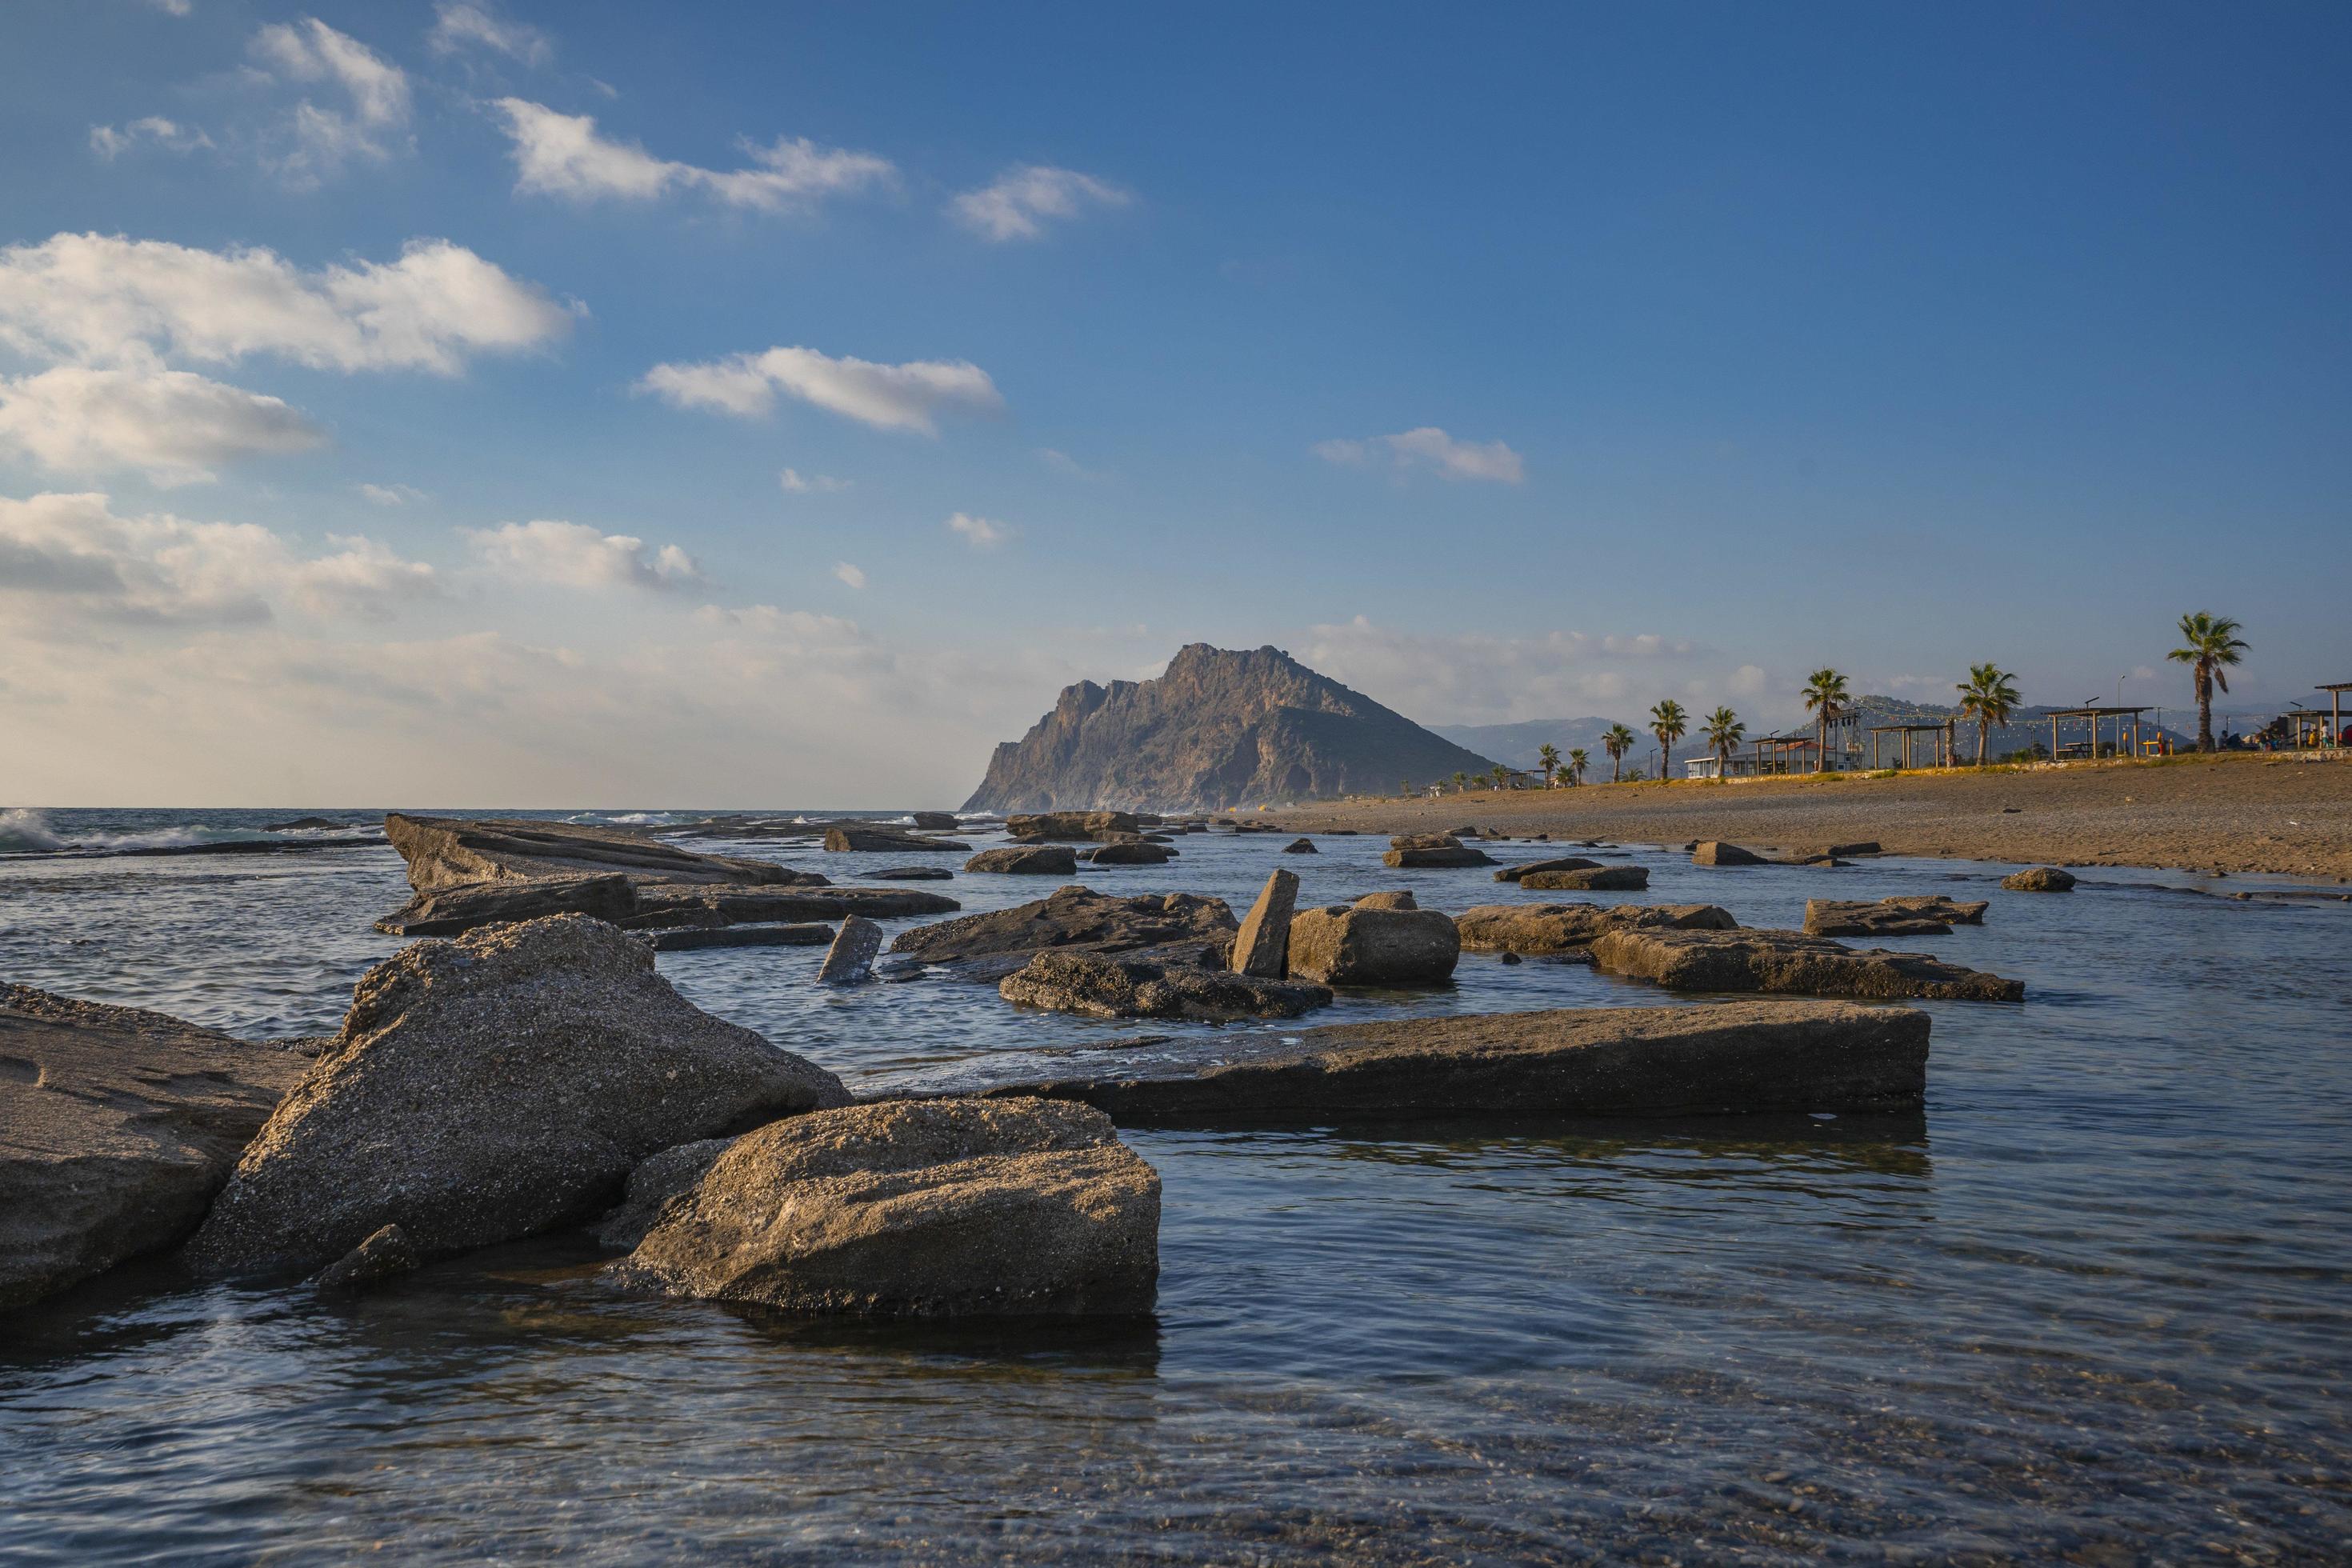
1027	860
1433	860
885	840
1074	915
442	850
1791	961
1008	1207
1102	986
1564	863
912	873
1598	879
1930	914
1726	1058
1566	928
117	1126
692	939
1126	854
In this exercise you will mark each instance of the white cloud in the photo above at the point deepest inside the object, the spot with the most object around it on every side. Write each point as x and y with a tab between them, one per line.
173	425
1020	201
174	7
315	143
457	26
575	555
392	495
979	532
792	479
562	154
1433	448
852	575
1481	679
154	130
105	297
70	561
887	396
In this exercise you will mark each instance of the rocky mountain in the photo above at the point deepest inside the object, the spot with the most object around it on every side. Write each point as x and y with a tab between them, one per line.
1515	744
1218	730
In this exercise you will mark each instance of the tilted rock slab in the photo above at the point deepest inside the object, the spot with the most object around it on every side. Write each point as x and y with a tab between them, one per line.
1787	960
1564	928
1103	986
850	960
117	1126
1930	914
490	1087
1354	945
444	850
952	1208
1732	1057
1262	946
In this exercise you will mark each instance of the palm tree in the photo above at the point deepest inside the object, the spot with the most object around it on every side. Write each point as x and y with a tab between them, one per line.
1548	759
1575	764
2209	643
1724	731
1501	775
1460	781
1667	723
1987	696
1404	787
1617	741
1826	700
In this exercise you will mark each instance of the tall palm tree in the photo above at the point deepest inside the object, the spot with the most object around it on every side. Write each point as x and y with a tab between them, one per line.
1617	741
1825	697
1669	723
1460	781
1724	731
2209	643
1987	696
1576	760
1548	759
1501	775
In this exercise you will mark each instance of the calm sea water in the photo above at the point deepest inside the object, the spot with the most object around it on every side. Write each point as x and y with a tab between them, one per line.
2093	1308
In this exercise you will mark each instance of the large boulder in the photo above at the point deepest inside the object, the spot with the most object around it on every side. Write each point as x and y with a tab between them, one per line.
1106	986
2040	879
1300	846
656	1183
1073	917
1430	841
1262	946
1787	960
1732	1057
1566	928
1436	858
936	821
490	1087
441	851
1928	914
456	908
1080	826
1400	899
1027	860
866	839
1007	1207
1352	945
117	1126
1562	863
1598	879
1715	852
1136	853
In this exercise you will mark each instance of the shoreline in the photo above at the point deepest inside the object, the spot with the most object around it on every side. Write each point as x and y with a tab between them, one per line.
2278	815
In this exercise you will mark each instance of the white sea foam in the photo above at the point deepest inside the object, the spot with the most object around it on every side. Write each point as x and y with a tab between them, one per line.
24	831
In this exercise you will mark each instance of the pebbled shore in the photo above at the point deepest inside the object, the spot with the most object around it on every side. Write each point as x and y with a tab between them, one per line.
2233	814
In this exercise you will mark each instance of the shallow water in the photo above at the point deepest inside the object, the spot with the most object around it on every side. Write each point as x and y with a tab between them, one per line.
2093	1308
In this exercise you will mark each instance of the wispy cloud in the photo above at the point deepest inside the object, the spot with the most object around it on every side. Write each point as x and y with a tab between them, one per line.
1020	200
459	27
979	532
849	575
563	156
887	396
315	143
1432	449
798	483
154	130
575	555
392	495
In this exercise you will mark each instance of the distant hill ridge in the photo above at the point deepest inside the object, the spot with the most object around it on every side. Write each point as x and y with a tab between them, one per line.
1516	744
1219	729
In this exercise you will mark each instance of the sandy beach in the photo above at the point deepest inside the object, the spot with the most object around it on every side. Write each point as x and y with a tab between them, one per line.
2227	815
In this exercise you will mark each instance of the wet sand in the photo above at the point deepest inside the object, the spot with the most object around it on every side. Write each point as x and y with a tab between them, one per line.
2235	813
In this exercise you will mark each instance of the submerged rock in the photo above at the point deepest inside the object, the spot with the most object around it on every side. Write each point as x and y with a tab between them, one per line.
965	1208
1027	860
1352	945
1264	944
1787	960
1714	852
1728	1059
2040	879
1564	928
1564	863
1104	986
386	1254
1599	880
911	874
489	1088
117	1126
1929	914
1074	916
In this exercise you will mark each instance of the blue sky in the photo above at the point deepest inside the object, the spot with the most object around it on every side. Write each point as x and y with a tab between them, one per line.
1509	363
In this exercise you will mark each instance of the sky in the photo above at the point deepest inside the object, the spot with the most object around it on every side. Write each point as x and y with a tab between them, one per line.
600	404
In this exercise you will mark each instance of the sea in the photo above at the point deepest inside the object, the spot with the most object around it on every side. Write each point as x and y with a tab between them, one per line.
2094	1306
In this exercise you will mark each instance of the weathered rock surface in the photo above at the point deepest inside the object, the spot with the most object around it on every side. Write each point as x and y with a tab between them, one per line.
1136	854
1714	852
911	874
1300	846
117	1126
1218	729
1929	914
489	1088
1599	880
1106	985
455	907
1787	960
444	850
1352	945
1563	928
1730	1057
2040	879
1431	840
1078	827
935	821
1027	860
382	1256
1075	917
1564	863
1396	900
850	960
656	1183
1006	1207
1437	859
1264	944
885	840
689	938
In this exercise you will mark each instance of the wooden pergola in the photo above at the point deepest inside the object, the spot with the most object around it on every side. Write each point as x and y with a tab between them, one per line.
2335	706
1783	748
2094	714
1942	729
